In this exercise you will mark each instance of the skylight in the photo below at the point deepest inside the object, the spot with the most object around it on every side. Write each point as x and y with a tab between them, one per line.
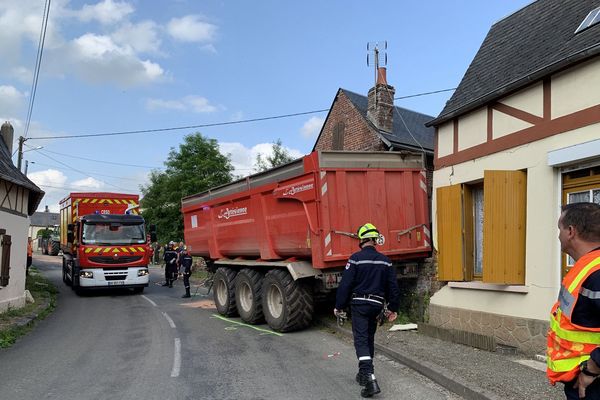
592	18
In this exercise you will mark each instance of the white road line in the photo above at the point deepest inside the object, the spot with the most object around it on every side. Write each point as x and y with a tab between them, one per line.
176	359
150	301
170	320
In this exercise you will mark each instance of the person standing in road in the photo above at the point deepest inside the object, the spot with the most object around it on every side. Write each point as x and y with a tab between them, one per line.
185	262
573	355
170	258
29	254
156	254
368	282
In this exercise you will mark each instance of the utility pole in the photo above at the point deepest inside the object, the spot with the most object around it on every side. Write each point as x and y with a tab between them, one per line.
20	154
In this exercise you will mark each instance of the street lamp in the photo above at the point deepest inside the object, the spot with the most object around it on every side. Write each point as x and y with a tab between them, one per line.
27	165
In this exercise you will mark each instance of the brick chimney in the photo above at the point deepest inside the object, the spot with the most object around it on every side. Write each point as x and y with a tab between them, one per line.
380	108
7	133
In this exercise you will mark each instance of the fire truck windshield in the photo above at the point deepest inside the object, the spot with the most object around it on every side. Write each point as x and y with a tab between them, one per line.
113	234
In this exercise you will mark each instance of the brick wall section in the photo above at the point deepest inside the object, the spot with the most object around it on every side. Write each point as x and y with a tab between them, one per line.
359	135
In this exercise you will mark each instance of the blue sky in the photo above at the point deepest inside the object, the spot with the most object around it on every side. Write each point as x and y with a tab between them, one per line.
124	65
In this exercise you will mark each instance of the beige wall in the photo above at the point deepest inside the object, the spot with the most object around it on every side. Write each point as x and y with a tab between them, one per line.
16	226
445	141
576	89
472	129
542	276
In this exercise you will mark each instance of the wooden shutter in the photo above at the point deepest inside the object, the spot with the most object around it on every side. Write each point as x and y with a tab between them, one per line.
504	210
5	243
450	233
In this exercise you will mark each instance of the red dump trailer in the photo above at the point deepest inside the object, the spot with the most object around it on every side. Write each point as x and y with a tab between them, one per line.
279	238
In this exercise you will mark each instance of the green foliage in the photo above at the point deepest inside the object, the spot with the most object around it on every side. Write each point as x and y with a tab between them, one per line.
280	156
44	233
12	321
195	167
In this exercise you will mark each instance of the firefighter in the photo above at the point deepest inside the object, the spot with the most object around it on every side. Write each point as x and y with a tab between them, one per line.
368	283
185	262
170	258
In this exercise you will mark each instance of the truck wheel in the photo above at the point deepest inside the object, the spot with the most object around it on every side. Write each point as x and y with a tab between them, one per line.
287	304
248	290
54	248
66	278
224	291
44	248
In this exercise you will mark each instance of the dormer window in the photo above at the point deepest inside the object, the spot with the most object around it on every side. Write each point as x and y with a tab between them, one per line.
592	18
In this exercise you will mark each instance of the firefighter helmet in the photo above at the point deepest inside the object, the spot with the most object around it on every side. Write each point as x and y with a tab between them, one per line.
368	231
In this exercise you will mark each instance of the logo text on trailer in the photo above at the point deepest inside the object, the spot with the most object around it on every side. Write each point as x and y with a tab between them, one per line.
296	189
232	212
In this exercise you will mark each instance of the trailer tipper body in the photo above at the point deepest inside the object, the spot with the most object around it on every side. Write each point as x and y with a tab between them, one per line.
279	238
103	241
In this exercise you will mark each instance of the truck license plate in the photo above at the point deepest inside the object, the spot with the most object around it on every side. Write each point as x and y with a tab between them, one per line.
116	283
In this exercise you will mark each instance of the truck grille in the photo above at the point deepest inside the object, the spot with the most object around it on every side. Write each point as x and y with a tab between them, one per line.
112	275
112	260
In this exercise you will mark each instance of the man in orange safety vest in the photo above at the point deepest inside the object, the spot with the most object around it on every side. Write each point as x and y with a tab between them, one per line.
573	353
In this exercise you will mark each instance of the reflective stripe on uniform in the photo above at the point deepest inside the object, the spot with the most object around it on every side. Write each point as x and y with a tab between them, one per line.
364	358
370	262
584	337
582	274
566	364
590	294
371	300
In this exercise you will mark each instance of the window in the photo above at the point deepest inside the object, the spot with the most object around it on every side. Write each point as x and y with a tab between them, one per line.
477	223
580	186
592	18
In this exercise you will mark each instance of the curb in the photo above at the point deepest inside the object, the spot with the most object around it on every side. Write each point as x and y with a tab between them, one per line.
444	378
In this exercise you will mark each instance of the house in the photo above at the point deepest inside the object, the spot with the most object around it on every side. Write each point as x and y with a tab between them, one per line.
519	138
19	198
42	220
372	123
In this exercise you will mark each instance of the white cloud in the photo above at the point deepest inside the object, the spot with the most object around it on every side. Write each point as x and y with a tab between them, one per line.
97	58
142	37
243	158
52	182
195	104
106	12
312	127
191	28
88	184
11	99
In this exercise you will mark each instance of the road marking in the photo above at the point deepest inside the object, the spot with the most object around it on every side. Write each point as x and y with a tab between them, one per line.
150	301
256	328
170	320
176	359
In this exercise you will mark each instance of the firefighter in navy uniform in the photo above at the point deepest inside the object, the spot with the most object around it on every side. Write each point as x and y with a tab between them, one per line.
170	258
368	282
185	267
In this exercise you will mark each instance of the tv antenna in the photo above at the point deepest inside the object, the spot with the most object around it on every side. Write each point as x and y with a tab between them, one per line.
377	55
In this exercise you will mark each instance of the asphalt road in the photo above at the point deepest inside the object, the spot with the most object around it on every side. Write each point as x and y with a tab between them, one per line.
119	345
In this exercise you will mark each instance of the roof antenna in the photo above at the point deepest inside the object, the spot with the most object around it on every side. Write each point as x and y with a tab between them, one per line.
377	58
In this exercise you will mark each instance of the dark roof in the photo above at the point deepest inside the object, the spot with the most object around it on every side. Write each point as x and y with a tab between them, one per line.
529	44
10	173
416	136
44	219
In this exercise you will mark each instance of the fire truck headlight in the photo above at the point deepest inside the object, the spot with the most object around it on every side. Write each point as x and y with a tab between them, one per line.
86	274
143	272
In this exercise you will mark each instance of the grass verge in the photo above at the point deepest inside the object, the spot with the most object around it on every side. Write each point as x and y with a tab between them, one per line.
16	322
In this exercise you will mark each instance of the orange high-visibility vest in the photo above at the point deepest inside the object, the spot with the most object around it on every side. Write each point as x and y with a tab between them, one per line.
570	344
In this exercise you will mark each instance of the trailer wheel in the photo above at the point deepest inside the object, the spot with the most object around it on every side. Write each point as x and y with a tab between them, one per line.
248	290
53	248
287	304
224	291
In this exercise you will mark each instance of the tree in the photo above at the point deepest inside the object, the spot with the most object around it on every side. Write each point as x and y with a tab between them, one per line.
195	167
280	156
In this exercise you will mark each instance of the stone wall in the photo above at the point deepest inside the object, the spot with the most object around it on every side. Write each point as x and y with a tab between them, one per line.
526	335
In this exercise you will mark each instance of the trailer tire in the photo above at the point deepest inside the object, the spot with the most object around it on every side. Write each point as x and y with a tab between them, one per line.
287	304
54	248
248	291
224	291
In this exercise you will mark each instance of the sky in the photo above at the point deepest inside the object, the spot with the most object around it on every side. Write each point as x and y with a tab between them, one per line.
114	66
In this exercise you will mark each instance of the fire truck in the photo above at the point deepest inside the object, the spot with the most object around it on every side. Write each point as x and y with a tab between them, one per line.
280	239
104	242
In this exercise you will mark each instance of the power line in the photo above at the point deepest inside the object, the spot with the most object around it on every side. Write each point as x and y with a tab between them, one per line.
102	161
38	64
244	121
88	173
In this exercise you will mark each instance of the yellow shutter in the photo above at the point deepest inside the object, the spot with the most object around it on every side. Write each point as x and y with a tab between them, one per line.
449	233
504	207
